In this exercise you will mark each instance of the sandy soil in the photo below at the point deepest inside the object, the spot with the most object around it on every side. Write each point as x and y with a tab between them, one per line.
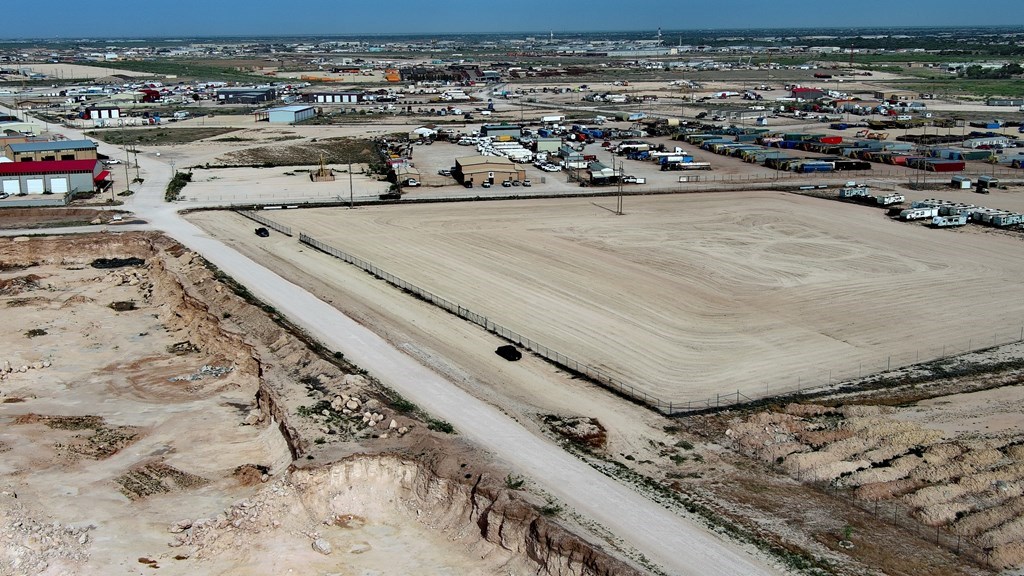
763	297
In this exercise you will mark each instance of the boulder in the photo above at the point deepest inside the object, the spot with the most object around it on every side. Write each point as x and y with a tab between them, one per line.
322	546
180	526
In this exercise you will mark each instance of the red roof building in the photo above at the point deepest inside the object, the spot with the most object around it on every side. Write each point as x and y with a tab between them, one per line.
65	177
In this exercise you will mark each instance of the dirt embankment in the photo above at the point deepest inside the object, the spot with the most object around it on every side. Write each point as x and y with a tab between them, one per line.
327	508
369	477
11	218
965	487
432	488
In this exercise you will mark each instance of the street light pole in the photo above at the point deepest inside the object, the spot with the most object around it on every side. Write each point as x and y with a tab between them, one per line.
350	202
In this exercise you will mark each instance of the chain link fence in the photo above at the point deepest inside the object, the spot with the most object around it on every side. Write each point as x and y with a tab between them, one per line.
594	374
286	230
800	383
901	515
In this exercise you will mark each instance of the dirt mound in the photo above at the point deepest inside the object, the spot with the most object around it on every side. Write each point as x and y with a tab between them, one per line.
579	430
19	284
961	485
76	299
156	478
103	442
251	474
332	151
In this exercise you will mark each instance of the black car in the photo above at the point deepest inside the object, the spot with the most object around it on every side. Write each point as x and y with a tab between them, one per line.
468	184
262	232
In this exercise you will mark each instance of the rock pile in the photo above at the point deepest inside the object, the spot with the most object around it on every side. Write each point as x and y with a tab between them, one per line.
262	512
357	416
31	546
125	278
206	371
7	369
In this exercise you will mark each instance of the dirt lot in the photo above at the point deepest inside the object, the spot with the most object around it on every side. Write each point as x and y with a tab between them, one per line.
16	218
153	418
756	292
64	71
156	136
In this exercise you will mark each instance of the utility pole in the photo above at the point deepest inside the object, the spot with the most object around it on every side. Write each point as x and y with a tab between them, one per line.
127	182
618	208
350	201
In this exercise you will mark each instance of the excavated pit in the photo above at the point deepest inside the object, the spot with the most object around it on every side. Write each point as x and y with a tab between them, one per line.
336	491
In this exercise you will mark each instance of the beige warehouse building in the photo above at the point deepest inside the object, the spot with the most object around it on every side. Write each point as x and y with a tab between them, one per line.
480	169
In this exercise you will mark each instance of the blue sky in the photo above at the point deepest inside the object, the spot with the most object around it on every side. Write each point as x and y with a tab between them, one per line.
146	18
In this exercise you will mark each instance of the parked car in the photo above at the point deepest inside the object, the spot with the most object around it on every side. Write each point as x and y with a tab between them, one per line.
444	172
412	182
515	182
262	232
527	183
486	184
629	179
468	184
507	184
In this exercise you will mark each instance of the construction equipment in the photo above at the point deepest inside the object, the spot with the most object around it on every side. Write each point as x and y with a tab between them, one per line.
872	135
322	174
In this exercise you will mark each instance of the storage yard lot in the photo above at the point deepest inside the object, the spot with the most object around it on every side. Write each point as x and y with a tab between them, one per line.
687	297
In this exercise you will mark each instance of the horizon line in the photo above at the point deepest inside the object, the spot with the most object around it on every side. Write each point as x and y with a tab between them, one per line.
510	32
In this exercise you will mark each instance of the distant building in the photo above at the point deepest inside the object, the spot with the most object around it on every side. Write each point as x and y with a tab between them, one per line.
16	128
807	93
1005	102
245	95
102	112
480	169
601	174
894	95
549	144
333	97
290	114
47	151
496	130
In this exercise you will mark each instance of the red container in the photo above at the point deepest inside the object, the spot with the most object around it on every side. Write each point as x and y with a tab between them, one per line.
831	139
946	166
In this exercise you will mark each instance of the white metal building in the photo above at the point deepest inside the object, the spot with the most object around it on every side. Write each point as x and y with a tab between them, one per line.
290	114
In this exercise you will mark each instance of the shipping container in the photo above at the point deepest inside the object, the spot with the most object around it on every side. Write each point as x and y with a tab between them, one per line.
945	166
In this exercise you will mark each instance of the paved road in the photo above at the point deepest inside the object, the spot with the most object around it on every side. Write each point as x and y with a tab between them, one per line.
677	544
